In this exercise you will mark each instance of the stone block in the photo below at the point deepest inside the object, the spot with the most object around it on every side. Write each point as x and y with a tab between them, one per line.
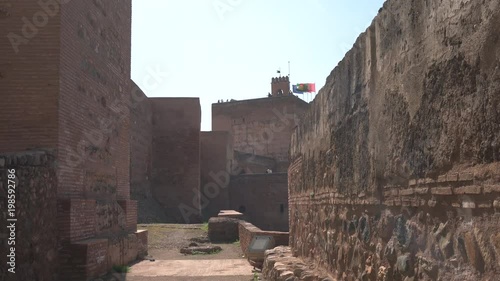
466	177
485	205
406	192
142	243
442	179
412	182
473	253
453	177
496	203
222	229
468	204
491	188
432	202
471	189
421	190
441	191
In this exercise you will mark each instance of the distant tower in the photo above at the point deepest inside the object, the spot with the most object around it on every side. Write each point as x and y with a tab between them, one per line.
280	85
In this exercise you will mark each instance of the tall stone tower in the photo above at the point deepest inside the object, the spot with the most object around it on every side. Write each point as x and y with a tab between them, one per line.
280	86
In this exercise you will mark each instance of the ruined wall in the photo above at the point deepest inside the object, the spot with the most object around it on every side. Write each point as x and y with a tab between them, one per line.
396	167
176	157
216	155
260	126
35	255
248	231
263	198
141	140
23	40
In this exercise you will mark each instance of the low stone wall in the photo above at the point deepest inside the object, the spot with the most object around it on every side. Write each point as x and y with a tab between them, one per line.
222	229
247	231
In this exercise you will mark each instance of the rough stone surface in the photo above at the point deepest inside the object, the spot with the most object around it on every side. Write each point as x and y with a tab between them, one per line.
393	165
221	229
281	265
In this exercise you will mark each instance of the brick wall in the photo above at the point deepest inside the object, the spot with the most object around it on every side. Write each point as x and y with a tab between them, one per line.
395	168
260	126
94	96
264	198
36	240
216	155
141	140
29	106
176	157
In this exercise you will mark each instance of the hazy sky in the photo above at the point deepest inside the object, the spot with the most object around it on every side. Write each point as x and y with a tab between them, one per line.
230	49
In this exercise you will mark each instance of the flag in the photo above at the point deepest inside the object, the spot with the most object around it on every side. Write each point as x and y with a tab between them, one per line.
304	88
296	90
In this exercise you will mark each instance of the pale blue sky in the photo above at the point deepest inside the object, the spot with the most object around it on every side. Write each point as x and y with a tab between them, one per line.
230	49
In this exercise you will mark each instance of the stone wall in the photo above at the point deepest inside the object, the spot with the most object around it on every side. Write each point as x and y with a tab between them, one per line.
263	198
260	126
248	231
216	155
35	204
396	169
176	157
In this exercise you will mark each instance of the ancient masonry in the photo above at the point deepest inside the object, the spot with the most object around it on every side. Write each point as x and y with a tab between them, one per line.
222	169
65	86
395	170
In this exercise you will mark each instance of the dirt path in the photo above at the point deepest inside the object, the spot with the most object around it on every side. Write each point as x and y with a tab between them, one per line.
166	263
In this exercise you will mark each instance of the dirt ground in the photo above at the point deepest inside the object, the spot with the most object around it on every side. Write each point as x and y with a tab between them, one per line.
166	263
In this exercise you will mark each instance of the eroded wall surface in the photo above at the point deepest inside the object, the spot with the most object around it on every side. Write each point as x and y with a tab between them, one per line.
396	170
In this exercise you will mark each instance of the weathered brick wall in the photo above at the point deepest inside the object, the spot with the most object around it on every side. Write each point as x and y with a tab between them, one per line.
69	87
216	155
260	126
29	106
94	98
176	157
264	198
35	241
141	140
396	167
